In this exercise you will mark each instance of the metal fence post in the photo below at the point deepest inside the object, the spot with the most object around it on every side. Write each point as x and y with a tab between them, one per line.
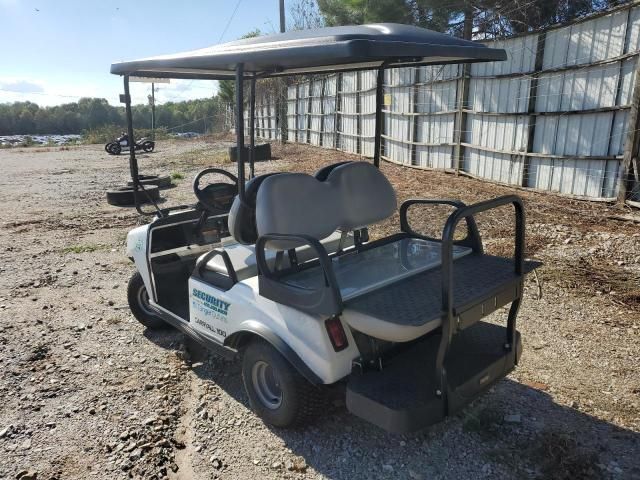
309	113
358	114
413	134
462	100
338	102
631	142
531	107
323	87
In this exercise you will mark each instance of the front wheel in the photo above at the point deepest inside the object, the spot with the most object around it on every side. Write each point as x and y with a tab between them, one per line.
277	392
138	298
148	146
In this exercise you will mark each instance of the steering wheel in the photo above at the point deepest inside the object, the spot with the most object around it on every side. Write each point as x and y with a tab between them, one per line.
216	197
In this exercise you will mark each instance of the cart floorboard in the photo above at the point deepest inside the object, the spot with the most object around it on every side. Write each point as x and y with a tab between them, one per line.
401	397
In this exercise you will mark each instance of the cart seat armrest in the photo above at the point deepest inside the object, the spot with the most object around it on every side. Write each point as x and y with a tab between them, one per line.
325	300
202	264
469	212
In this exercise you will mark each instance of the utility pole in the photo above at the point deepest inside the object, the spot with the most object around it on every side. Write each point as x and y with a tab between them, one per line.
282	90
153	111
282	24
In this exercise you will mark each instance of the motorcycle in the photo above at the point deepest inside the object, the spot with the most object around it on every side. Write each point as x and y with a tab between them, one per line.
122	142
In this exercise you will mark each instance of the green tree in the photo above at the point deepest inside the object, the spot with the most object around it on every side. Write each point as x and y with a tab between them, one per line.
227	88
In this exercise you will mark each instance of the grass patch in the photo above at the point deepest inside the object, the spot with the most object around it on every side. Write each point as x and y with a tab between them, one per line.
560	458
598	278
177	176
483	421
84	248
205	156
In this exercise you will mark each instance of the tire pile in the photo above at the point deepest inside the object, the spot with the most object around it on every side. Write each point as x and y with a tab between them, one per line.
152	184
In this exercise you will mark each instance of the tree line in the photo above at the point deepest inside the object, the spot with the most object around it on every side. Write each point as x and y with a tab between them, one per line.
27	118
483	18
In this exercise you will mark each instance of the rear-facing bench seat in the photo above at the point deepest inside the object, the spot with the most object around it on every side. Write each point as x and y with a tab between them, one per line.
372	288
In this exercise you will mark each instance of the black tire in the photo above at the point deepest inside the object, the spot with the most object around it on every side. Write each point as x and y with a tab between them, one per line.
107	147
163	181
148	146
298	401
115	148
139	304
123	196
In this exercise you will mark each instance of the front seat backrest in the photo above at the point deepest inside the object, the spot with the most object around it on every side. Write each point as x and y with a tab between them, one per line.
242	215
354	195
366	194
324	172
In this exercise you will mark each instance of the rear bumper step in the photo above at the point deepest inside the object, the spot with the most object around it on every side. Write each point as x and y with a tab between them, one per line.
402	397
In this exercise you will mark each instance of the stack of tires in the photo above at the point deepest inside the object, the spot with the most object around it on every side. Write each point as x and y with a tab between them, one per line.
124	197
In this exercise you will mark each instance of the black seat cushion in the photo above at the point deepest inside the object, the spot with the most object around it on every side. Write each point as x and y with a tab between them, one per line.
242	215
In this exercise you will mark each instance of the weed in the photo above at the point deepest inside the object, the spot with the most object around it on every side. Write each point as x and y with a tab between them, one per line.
84	248
27	142
597	277
560	458
177	176
205	156
482	420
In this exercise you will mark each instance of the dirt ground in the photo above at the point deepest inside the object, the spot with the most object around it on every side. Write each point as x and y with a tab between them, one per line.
86	392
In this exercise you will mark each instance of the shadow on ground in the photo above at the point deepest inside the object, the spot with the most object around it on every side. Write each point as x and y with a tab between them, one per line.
514	431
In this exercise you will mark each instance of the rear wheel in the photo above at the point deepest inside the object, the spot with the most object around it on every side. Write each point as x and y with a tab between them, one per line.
115	148
277	392
148	146
138	298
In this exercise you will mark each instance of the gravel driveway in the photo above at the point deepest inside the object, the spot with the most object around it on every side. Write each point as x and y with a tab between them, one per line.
86	392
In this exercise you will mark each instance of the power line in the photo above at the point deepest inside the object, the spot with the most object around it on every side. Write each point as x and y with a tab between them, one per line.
230	20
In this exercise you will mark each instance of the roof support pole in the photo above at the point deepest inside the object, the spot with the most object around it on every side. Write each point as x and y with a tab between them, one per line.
252	127
378	127
240	128
133	162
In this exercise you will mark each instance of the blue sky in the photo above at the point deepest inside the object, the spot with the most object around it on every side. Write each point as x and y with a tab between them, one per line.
54	51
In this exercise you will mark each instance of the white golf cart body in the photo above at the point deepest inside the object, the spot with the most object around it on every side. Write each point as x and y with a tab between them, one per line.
289	260
217	315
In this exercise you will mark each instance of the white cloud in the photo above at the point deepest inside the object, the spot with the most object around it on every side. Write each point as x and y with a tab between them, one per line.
20	86
45	93
40	92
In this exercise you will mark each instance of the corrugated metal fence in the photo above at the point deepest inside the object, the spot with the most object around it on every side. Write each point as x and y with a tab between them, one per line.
552	117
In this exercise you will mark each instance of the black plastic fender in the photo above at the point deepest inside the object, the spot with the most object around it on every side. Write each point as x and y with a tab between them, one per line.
251	328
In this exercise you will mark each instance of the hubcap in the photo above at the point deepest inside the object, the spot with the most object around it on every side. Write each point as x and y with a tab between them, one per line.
143	301
266	385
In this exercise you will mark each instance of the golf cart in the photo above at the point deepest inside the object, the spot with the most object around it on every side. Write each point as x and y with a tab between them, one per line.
279	267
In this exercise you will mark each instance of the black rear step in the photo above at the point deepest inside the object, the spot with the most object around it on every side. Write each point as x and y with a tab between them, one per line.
401	401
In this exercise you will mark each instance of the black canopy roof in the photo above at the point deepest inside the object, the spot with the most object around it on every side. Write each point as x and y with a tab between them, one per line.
311	51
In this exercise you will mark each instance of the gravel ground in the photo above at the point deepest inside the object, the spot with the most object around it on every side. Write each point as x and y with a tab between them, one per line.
88	393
